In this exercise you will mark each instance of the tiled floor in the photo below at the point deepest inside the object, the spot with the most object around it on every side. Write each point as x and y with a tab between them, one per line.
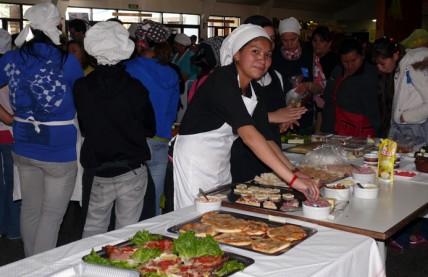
411	262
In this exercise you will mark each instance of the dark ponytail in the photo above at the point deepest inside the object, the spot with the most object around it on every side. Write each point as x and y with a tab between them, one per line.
386	48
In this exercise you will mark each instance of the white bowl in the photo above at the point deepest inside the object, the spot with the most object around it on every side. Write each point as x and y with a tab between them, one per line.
316	212
203	206
371	157
338	194
369	191
364	177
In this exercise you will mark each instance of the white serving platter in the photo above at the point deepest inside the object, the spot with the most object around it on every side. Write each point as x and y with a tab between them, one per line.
90	270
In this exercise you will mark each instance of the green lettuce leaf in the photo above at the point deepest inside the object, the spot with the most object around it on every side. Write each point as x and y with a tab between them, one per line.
94	258
189	246
229	267
125	264
143	255
144	236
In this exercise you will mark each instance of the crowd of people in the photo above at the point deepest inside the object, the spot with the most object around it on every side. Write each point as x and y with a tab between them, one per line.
97	112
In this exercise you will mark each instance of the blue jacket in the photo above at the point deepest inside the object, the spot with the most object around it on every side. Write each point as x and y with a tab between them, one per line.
41	89
162	84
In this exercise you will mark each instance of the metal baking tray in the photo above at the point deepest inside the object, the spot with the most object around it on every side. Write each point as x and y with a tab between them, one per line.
271	224
91	270
231	256
232	197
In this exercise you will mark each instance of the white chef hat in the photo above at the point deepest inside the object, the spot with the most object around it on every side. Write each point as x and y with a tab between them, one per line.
183	39
44	17
289	25
108	42
238	38
5	41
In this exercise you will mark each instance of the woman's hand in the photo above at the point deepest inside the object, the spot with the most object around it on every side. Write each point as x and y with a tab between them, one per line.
287	125
302	175
287	114
303	185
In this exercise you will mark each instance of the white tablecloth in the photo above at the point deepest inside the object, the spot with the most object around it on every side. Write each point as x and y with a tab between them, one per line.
329	252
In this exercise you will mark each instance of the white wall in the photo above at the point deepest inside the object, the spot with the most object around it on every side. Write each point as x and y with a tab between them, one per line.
355	18
188	6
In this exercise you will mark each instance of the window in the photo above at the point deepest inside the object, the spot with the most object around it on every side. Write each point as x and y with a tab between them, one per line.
11	17
101	15
10	11
221	26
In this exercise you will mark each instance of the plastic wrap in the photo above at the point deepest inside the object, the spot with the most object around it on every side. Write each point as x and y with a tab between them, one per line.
326	154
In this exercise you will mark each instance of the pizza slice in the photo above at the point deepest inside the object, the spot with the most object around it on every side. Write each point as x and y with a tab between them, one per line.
232	226
287	233
255	228
269	245
237	239
201	229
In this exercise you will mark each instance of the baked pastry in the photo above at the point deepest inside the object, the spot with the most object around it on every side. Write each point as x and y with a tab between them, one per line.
269	245
237	239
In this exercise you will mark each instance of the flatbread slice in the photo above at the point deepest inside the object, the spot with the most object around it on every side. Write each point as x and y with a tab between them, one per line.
212	218
201	230
255	228
269	245
287	233
232	226
237	239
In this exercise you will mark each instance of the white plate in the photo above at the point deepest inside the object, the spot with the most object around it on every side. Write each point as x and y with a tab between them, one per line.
404	177
90	270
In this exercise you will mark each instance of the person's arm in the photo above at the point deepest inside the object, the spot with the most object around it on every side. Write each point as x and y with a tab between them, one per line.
420	111
260	147
286	161
5	116
275	148
286	114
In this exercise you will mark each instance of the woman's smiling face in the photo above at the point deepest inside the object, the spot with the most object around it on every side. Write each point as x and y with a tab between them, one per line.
254	59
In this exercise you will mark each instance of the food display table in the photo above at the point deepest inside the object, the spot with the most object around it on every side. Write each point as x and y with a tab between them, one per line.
329	252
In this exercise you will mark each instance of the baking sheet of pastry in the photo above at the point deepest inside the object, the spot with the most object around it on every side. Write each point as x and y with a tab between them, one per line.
271	224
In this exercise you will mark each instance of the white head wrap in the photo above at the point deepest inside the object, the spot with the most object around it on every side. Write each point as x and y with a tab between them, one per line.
44	17
183	39
238	38
5	41
289	25
108	42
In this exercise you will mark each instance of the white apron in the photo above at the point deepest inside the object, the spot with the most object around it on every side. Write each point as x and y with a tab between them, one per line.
203	160
77	193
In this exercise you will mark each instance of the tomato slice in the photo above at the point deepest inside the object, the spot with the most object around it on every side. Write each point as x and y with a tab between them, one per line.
404	173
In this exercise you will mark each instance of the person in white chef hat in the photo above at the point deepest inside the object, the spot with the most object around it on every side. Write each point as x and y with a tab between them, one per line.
223	109
41	76
301	71
116	117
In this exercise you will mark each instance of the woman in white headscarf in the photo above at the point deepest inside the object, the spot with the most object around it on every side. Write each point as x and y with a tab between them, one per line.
220	112
41	76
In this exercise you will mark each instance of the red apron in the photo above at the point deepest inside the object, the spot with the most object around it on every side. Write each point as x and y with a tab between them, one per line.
350	124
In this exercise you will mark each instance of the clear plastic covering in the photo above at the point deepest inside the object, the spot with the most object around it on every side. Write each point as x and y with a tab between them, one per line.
326	154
